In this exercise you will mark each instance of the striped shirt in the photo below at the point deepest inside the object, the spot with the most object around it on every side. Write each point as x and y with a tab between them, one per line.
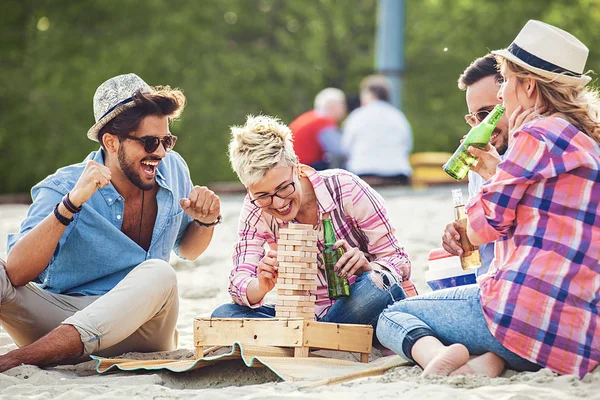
541	296
358	215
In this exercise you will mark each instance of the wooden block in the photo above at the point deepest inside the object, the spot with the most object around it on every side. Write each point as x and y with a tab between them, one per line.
301	351
255	331
346	337
293	286
295	253
364	357
305	270
281	274
292	309
297	281
282	314
305	297
309	275
301	227
310	243
286	264
287	292
287	242
283	236
307	249
303	259
287	303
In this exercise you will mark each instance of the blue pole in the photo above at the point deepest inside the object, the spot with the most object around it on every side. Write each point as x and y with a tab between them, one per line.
389	46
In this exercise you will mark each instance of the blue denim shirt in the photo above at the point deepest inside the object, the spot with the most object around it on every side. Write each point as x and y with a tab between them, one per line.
93	255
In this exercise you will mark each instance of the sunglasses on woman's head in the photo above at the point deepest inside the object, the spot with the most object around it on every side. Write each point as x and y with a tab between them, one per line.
151	143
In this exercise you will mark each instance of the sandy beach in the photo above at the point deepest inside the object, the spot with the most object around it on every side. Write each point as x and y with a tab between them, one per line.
419	216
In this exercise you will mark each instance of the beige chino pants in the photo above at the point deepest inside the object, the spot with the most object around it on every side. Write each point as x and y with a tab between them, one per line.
139	314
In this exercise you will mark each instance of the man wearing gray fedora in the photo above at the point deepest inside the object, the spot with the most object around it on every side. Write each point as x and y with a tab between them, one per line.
88	272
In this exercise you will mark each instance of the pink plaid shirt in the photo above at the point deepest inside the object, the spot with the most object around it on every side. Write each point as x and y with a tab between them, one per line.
358	215
542	293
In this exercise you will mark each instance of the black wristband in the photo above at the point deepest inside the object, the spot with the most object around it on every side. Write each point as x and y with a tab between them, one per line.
61	218
217	221
69	205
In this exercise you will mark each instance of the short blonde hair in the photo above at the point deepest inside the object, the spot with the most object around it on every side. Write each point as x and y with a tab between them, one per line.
261	144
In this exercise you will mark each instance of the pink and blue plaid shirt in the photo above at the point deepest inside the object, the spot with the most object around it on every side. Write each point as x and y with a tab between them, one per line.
358	215
542	293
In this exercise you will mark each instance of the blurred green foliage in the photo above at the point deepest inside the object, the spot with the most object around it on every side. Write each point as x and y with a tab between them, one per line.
233	58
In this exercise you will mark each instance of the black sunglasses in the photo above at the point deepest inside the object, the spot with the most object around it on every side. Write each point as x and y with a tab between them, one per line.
151	143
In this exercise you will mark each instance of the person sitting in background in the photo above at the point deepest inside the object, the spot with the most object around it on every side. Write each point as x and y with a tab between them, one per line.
377	137
538	304
317	136
280	192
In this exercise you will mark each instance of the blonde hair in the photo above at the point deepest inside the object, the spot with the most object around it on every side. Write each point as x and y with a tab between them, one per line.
261	144
579	105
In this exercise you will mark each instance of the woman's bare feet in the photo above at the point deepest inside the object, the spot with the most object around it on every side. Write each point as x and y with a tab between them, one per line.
487	364
448	360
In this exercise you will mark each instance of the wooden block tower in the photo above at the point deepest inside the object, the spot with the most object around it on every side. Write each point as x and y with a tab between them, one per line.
297	256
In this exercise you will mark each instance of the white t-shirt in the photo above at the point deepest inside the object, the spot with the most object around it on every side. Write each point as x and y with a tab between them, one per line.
377	140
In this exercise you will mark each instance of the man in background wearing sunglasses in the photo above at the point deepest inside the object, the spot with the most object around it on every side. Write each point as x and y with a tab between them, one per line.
88	272
481	81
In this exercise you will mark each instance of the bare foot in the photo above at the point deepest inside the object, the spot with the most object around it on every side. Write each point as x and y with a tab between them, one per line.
448	360
7	362
487	364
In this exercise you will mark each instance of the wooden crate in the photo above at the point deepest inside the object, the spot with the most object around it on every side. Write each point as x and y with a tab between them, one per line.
299	334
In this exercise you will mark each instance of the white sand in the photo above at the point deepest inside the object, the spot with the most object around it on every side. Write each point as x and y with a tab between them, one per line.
419	215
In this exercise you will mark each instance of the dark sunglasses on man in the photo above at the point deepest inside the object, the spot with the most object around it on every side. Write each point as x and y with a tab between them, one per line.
151	143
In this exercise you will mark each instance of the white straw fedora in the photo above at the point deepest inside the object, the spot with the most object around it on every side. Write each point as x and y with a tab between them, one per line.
113	97
550	52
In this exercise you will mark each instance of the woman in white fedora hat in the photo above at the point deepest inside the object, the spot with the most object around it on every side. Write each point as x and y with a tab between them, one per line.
538	304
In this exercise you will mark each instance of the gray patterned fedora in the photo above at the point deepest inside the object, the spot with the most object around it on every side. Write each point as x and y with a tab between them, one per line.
113	97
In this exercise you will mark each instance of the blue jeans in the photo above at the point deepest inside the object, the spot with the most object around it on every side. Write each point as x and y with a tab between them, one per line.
451	315
370	294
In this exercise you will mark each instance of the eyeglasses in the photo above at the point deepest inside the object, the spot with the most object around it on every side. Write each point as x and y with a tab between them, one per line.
477	117
151	143
267	199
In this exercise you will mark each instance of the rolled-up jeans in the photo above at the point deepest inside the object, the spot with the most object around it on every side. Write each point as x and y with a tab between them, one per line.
370	294
138	314
451	315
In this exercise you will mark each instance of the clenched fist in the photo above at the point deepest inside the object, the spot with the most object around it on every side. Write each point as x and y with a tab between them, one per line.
202	204
94	177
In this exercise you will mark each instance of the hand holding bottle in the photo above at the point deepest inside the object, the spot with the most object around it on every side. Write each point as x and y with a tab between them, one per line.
352	262
487	161
451	239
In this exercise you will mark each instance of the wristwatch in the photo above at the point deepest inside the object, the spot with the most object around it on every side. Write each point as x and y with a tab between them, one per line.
216	222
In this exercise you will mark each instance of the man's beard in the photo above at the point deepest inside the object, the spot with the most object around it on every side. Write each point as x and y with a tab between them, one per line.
129	171
502	145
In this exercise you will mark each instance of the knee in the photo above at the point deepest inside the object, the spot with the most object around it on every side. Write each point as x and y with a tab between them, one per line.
159	275
223	311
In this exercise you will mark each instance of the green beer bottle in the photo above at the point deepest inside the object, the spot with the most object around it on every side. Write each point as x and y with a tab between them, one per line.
479	136
337	285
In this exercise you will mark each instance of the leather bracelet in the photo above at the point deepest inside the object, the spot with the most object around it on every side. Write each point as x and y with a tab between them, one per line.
217	221
69	205
61	218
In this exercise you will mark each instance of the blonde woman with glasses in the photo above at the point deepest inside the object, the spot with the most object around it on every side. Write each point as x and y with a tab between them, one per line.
280	192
